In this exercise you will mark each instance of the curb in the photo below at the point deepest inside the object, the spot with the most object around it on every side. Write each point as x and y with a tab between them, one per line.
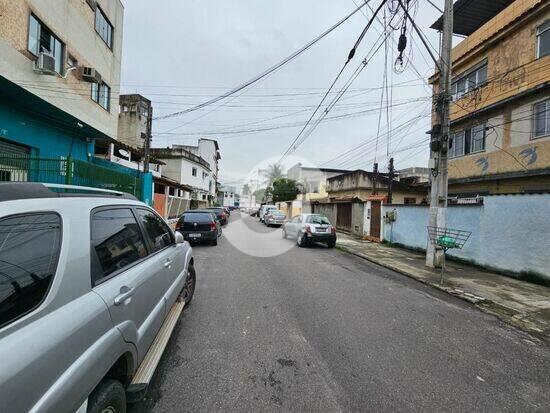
503	313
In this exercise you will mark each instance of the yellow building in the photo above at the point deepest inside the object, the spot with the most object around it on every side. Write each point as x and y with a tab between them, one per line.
500	109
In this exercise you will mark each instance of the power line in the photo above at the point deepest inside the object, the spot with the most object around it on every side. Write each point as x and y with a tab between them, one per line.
265	73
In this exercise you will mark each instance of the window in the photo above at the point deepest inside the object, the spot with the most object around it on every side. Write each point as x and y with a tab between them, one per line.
478	139
541	126
469	81
543	40
42	40
29	250
467	141
103	27
456	144
194	171
157	231
116	240
317	219
101	94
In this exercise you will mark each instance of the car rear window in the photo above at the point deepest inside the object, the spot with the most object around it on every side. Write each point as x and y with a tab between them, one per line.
29	251
317	219
197	217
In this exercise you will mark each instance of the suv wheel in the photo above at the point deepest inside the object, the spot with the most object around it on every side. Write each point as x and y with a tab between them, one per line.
301	241
108	397
189	287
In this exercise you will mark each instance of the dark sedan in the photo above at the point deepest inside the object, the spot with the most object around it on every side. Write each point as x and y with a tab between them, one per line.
221	214
199	226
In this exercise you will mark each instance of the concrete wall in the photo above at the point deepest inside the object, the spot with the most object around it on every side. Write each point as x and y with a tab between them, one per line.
357	218
509	232
329	210
74	23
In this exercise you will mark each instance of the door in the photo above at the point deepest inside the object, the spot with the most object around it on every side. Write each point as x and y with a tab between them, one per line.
165	252
375	219
343	216
126	275
295	225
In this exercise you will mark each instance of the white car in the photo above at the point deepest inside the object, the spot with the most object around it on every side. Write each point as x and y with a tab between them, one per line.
310	228
264	210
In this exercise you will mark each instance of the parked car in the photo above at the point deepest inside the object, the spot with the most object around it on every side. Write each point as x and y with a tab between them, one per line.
221	214
264	210
199	226
274	217
254	211
309	228
88	281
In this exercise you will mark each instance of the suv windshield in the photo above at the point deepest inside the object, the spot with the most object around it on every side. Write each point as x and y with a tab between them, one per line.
318	219
197	217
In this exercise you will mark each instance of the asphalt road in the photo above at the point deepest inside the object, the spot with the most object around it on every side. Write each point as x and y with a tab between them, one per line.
316	329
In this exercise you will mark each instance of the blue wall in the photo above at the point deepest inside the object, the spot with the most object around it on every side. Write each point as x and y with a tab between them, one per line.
47	141
509	232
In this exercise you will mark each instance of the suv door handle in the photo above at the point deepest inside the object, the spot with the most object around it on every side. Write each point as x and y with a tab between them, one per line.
167	263
125	293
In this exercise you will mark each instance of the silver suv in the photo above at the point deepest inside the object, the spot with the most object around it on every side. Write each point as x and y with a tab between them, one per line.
91	287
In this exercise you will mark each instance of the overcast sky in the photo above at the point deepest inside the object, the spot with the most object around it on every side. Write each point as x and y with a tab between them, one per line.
182	52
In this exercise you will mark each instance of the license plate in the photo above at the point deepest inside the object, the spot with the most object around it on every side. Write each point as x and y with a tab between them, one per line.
321	230
195	235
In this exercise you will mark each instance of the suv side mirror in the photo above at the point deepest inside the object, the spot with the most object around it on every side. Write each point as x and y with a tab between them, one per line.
179	238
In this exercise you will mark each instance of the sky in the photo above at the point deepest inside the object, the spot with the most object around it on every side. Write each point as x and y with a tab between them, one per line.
180	53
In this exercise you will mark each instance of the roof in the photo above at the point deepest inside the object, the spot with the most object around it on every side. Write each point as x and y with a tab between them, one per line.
13	191
382	178
470	15
179	153
164	180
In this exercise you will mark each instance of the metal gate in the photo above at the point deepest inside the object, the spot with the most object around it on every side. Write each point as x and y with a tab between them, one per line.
343	216
375	219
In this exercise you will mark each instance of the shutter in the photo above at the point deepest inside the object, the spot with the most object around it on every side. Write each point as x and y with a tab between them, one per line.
8	148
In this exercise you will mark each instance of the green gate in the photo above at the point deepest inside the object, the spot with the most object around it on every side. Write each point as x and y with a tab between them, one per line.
68	171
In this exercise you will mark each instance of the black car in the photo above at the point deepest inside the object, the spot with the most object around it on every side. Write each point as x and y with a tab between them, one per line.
199	226
221	214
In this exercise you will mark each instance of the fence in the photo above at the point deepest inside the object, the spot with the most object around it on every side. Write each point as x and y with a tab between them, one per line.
16	168
509	232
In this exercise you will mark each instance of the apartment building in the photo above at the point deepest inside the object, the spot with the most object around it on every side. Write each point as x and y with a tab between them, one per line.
187	168
59	75
209	150
132	120
313	181
500	109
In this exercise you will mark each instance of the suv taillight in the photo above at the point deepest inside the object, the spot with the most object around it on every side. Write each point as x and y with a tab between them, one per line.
178	225
333	230
307	228
212	226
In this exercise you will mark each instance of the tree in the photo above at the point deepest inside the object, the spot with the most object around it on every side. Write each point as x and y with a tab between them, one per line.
246	189
272	173
284	190
259	194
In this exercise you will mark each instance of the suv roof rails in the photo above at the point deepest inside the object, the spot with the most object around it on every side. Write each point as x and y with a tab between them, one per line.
12	191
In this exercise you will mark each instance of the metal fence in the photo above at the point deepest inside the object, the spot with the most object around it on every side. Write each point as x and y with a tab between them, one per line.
17	168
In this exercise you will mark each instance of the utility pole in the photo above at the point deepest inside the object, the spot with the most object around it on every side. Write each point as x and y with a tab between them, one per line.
147	145
439	143
375	180
390	183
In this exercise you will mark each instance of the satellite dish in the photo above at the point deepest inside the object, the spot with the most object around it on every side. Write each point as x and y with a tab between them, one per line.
124	153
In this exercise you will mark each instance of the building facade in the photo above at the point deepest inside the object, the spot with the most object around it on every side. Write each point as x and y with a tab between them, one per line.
188	168
132	120
59	73
208	150
500	109
312	181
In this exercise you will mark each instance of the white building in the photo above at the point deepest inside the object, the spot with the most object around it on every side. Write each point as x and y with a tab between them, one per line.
188	168
229	196
208	150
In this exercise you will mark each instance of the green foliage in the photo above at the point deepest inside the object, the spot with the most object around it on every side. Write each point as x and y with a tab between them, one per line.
272	173
284	189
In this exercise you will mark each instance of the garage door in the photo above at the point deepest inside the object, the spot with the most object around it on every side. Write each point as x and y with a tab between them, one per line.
343	216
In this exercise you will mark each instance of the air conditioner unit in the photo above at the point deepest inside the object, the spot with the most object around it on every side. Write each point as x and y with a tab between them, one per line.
46	64
89	74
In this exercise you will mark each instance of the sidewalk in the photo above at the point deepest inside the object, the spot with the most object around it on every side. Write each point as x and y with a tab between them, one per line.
522	304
